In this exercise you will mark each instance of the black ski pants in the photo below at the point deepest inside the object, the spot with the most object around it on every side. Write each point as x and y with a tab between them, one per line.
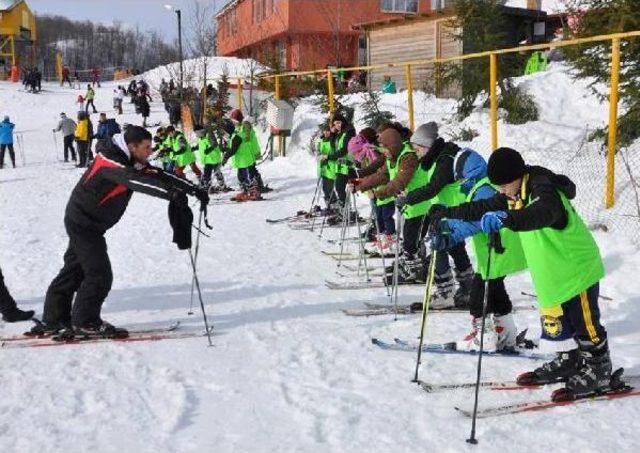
83	151
7	302
498	301
215	169
86	273
12	154
68	147
412	232
90	102
460	259
327	191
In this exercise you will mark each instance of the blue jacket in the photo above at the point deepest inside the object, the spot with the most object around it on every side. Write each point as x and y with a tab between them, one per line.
107	129
473	170
6	133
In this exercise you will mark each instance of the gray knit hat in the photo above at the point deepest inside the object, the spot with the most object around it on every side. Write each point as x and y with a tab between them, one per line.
425	134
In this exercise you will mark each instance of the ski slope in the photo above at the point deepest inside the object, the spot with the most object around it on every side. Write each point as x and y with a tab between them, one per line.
288	372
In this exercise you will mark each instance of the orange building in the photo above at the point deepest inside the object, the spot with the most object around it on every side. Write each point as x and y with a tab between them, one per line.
304	34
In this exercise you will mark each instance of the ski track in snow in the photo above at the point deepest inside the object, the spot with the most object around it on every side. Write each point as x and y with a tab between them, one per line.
288	372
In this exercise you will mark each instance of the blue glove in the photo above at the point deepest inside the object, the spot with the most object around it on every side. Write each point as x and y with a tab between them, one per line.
491	222
440	242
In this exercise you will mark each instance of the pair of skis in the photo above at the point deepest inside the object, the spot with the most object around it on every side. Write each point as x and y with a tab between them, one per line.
410	309
134	336
618	390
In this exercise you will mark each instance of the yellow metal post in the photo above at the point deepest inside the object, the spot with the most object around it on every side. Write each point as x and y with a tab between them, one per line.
613	121
239	94
13	50
493	95
277	88
410	97
330	91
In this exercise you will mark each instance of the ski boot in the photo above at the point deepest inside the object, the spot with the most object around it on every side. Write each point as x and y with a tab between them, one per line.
592	377
559	369
442	296
463	293
43	330
91	331
471	342
408	267
14	314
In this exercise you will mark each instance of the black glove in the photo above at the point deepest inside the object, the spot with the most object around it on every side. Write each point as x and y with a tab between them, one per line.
437	212
202	195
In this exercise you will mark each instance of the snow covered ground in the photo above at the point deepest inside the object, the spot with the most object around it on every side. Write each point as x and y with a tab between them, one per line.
289	372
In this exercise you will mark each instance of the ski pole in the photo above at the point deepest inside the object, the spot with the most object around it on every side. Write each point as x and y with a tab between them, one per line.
55	143
494	243
313	200
374	219
425	310
363	254
204	313
344	228
396	263
193	278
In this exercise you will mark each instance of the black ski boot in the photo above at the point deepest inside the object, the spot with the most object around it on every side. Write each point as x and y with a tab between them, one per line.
593	376
558	370
409	268
16	315
91	331
463	293
43	330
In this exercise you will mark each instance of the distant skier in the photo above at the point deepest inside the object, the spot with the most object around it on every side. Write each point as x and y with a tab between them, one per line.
8	308
96	204
68	128
90	97
6	141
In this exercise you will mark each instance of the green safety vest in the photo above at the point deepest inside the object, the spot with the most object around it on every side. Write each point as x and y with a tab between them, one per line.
563	263
420	178
537	62
450	195
328	168
182	152
245	156
208	154
343	163
509	262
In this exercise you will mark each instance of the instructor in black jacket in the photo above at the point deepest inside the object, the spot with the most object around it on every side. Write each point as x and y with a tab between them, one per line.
96	204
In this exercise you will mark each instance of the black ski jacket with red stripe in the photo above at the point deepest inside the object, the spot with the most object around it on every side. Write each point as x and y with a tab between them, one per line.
101	196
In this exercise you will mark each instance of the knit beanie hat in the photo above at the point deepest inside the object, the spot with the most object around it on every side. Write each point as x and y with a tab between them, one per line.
505	166
369	134
425	134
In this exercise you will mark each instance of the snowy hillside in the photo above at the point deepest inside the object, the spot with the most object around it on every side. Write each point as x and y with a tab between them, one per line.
289	371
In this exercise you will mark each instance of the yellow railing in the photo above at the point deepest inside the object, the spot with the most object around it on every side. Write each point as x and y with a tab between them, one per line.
614	38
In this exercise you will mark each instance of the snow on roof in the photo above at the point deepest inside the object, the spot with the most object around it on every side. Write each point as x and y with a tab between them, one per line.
6	5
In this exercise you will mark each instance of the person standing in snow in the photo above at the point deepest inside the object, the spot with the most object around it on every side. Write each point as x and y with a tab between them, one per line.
437	159
107	128
210	155
342	131
500	329
82	136
68	128
96	204
565	265
90	97
8	307
327	169
6	141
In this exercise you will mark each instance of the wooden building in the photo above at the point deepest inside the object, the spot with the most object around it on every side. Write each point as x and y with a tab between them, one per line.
426	36
17	34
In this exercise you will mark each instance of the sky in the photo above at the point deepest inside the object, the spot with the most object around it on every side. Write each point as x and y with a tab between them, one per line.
149	14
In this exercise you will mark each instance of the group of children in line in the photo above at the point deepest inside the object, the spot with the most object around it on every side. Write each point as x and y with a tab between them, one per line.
445	194
234	139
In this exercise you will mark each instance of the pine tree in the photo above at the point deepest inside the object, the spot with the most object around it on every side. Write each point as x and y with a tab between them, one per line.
483	26
600	17
373	116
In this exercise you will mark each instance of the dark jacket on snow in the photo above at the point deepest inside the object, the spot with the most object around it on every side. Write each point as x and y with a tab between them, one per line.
101	196
544	210
107	129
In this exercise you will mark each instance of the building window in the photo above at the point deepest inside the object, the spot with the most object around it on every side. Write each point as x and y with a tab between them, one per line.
399	6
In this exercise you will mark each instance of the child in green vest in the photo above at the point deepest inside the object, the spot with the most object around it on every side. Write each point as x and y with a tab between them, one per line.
327	169
182	155
210	155
565	265
436	159
500	329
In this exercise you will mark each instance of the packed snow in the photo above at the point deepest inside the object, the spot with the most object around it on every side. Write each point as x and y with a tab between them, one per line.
289	371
